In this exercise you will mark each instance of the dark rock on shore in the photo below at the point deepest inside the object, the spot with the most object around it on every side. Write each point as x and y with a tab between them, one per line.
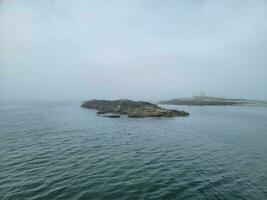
134	109
112	116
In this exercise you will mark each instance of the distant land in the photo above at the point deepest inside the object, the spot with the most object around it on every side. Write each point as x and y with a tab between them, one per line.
202	100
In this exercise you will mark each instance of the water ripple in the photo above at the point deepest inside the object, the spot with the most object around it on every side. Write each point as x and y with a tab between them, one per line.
66	152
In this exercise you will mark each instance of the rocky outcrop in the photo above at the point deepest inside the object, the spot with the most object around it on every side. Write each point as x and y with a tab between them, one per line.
155	112
134	109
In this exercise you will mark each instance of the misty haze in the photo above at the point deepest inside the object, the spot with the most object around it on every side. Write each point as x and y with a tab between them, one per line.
142	99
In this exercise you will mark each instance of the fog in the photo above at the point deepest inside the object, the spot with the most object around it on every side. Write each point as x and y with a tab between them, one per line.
141	49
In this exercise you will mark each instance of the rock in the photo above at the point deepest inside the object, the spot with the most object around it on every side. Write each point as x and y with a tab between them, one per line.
155	112
112	116
133	109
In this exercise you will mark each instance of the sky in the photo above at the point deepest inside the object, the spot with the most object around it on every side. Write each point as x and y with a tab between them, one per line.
141	49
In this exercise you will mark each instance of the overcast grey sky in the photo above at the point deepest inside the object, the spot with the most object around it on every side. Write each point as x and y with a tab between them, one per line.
139	49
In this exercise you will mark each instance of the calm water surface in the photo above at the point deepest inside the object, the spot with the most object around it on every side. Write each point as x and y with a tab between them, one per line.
57	150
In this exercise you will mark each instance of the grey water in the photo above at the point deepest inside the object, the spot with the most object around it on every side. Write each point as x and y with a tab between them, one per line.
57	150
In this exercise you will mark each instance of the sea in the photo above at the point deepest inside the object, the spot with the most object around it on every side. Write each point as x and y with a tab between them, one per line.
60	151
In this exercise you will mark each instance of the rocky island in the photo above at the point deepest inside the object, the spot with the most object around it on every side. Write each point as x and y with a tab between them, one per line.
202	100
133	109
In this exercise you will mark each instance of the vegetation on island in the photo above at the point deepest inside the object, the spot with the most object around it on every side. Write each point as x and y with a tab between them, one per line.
133	109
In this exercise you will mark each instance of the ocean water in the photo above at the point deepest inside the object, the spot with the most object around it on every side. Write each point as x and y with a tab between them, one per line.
57	150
